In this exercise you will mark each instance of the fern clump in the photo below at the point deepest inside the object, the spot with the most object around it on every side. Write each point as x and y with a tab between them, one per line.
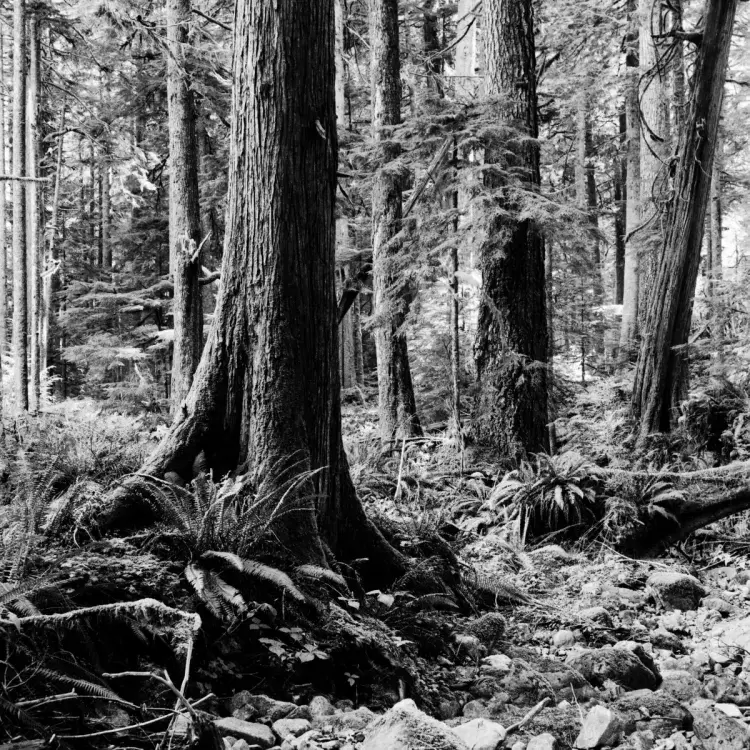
219	528
557	493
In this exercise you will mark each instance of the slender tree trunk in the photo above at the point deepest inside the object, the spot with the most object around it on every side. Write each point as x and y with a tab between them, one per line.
512	339
549	268
53	265
631	272
33	216
620	196
716	246
456	315
265	396
669	312
678	76
20	298
397	405
184	210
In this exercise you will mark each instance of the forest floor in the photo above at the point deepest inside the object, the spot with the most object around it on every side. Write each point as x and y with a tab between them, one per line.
492	640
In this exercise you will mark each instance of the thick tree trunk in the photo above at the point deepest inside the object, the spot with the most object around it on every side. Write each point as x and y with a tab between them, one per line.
397	408
184	210
678	76
105	212
669	311
655	148
511	345
34	206
265	396
631	271
20	297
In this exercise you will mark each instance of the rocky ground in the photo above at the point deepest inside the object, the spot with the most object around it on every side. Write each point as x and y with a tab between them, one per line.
613	653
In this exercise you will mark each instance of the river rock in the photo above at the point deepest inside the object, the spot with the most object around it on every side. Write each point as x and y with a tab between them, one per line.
621	666
489	629
320	706
600	727
658	712
246	706
717	731
294	727
677	590
481	734
544	741
405	727
680	684
253	734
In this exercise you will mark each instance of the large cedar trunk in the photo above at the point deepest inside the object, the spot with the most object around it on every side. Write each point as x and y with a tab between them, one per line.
184	211
669	309
20	297
3	251
397	411
511	345
265	396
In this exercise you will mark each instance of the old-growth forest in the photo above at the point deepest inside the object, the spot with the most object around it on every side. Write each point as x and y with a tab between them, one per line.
375	374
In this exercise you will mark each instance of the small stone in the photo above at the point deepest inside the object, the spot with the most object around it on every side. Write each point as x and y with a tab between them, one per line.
497	664
519	745
481	734
241	745
469	645
489	628
294	727
680	684
600	727
544	741
563	639
716	603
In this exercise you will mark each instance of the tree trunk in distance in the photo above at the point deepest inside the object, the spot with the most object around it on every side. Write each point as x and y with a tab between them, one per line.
265	397
631	272
716	247
455	315
397	410
20	297
184	209
33	217
511	346
549	268
678	76
669	311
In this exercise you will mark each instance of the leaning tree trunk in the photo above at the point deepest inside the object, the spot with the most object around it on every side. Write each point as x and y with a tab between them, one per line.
669	311
20	297
184	210
265	396
511	346
397	409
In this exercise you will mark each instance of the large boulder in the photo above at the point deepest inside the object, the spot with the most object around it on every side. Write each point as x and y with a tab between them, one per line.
660	713
680	684
677	590
619	665
405	727
247	706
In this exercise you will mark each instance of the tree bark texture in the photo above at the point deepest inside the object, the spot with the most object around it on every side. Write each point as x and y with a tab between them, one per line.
3	249
511	344
620	197
631	271
20	296
184	210
265	396
669	310
397	408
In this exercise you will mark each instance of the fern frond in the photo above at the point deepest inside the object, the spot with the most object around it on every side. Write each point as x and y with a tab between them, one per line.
258	570
83	686
318	573
20	717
